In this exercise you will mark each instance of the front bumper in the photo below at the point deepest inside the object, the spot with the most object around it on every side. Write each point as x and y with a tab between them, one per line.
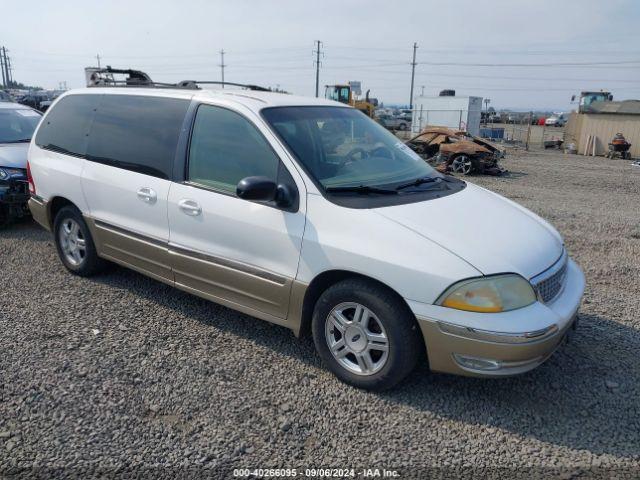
14	192
499	344
14	195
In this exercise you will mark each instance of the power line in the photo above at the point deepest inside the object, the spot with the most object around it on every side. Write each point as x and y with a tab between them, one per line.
633	63
259	52
276	50
499	51
550	64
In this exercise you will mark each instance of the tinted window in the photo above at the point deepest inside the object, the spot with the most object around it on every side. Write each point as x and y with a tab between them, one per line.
225	148
66	126
137	133
17	125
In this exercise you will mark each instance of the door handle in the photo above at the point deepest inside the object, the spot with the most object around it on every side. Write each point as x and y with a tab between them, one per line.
190	207
147	195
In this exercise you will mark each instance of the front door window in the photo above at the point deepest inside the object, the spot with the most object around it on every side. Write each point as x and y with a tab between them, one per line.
225	148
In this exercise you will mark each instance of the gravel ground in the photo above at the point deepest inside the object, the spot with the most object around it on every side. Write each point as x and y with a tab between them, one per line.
123	375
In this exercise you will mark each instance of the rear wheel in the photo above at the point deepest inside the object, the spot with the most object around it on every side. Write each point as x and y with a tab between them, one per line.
366	335
75	245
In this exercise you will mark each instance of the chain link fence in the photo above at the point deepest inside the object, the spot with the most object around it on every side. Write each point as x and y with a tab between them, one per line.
524	130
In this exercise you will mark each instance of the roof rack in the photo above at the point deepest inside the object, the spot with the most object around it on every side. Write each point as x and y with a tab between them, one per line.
195	83
104	77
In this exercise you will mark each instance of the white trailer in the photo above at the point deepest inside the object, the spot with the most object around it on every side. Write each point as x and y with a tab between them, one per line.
460	113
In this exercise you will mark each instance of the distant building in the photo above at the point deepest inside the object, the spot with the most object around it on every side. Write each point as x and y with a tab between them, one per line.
459	113
604	119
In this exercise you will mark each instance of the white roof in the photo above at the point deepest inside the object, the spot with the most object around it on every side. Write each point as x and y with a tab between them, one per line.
253	99
14	106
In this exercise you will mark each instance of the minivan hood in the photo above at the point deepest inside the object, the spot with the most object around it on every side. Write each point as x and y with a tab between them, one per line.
493	234
13	155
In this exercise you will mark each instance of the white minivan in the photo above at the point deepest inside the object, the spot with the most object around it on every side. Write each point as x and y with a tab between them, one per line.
308	214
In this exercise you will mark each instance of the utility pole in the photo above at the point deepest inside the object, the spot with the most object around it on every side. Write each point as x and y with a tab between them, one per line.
487	101
422	91
222	65
98	58
413	74
4	80
5	68
317	52
9	69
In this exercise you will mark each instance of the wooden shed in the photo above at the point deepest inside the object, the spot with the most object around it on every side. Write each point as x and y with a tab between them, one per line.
604	120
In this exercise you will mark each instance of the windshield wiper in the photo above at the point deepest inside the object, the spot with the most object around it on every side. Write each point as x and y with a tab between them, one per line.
22	140
418	181
363	189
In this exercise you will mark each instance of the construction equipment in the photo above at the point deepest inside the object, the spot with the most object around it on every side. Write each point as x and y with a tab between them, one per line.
589	97
349	95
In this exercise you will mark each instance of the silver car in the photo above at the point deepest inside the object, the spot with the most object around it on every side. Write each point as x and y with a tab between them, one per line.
17	124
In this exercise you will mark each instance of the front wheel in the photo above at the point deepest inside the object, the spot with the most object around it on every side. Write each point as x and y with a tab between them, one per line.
366	335
5	217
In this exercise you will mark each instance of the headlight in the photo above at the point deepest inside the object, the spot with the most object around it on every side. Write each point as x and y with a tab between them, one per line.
500	293
6	173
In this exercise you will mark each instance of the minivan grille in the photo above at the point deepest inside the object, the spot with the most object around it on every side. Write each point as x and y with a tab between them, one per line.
551	282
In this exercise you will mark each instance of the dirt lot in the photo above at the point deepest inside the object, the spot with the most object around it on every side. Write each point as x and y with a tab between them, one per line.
123	374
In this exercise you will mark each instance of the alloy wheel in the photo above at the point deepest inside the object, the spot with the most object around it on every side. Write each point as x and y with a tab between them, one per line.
72	242
356	338
462	164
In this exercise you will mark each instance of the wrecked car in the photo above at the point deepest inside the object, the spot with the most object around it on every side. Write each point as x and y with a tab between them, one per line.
17	124
457	151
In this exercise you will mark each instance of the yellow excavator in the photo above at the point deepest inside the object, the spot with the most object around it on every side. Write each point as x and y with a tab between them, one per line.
349	95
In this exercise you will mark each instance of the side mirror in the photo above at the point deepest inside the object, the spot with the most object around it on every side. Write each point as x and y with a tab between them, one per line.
257	188
262	189
285	196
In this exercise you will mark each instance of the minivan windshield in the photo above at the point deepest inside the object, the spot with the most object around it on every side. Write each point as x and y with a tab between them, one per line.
17	125
342	148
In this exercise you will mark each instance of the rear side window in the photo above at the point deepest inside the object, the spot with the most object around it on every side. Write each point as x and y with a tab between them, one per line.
66	126
137	133
225	148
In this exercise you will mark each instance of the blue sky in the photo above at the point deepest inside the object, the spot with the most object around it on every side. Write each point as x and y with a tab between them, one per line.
521	54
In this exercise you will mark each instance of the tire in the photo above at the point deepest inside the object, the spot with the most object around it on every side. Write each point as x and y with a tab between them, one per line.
5	217
72	234
462	164
388	317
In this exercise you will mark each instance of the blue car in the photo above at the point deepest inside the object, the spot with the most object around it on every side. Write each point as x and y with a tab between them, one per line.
17	123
